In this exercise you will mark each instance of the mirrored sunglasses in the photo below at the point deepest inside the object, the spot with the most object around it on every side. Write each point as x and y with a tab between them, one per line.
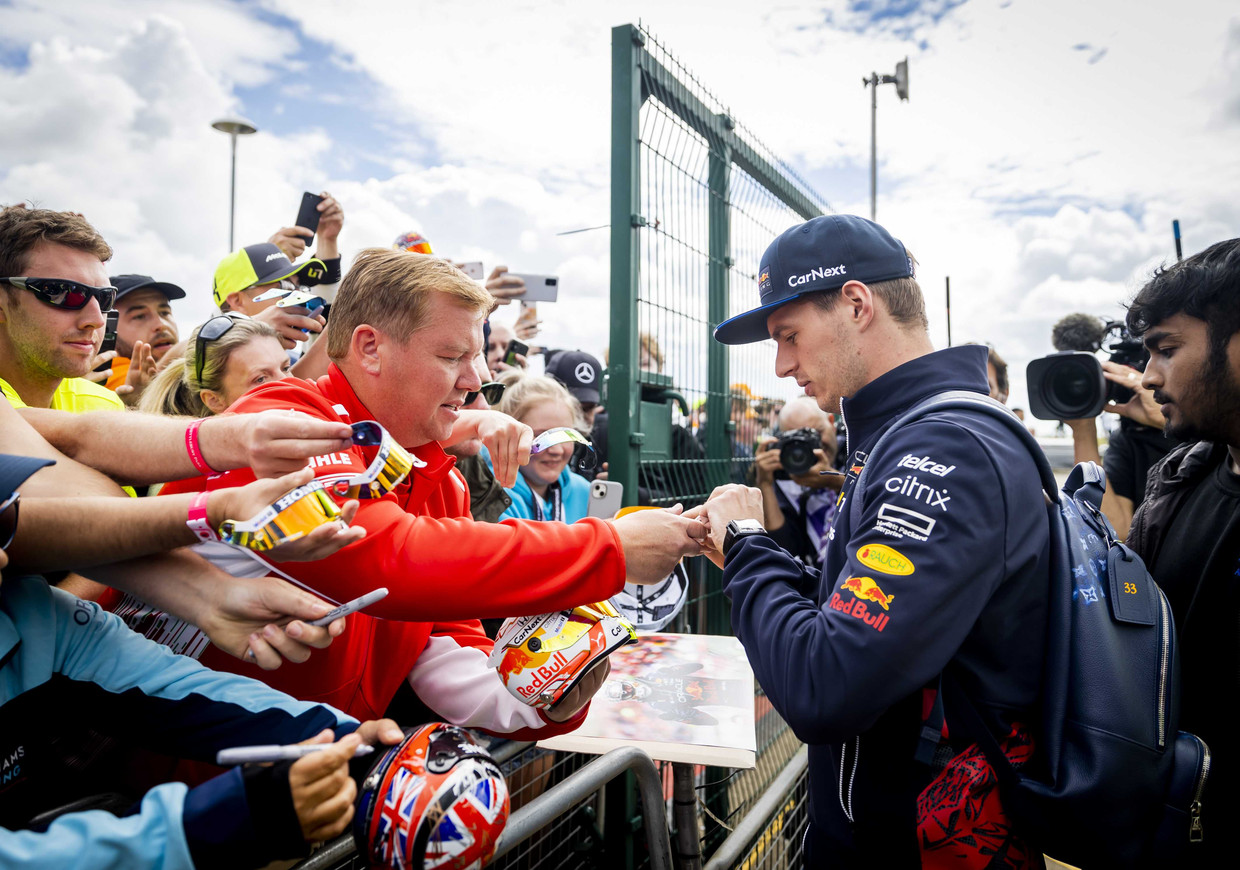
390	466
62	293
583	450
294	515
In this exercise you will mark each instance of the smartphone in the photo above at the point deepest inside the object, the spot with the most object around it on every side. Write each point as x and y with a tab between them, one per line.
515	347
539	288
605	499
351	606
473	269
109	337
308	214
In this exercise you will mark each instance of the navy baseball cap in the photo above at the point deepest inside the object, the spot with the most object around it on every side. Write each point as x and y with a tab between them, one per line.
15	469
129	283
581	373
821	254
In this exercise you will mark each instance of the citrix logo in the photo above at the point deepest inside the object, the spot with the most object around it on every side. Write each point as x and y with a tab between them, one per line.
909	485
814	274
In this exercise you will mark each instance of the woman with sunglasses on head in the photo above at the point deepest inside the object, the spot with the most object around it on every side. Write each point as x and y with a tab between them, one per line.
546	488
224	358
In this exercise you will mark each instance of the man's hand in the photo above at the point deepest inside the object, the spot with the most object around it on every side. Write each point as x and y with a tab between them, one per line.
322	789
100	377
271	442
141	372
1141	408
291	323
507	440
331	222
731	502
570	705
244	502
505	287
653	542
264	620
766	463
291	240
377	732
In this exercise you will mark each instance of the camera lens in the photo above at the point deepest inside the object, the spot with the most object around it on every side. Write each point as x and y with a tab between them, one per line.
1071	385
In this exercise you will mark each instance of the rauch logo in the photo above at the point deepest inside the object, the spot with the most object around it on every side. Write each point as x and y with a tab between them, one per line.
880	557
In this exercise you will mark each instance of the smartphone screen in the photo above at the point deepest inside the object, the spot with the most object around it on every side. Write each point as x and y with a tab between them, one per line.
109	337
308	214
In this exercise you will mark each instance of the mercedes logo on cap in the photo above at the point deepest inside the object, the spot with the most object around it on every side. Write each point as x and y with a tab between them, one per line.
584	373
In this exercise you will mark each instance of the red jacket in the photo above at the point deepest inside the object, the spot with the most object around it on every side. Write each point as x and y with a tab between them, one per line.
443	570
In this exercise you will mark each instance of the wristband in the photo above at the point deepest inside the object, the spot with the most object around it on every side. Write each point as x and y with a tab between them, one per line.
197	519
194	450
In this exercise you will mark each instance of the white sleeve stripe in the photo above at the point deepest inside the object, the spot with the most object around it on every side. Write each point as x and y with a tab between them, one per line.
456	683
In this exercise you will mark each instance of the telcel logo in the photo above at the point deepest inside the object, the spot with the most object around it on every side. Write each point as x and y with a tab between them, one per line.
815	274
926	464
886	559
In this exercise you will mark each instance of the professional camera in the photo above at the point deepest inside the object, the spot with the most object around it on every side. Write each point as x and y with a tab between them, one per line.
1069	385
796	450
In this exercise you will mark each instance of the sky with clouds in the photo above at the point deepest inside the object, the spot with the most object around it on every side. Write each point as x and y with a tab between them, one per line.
1045	149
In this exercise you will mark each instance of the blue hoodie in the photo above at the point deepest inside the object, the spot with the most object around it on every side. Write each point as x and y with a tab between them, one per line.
947	569
574	490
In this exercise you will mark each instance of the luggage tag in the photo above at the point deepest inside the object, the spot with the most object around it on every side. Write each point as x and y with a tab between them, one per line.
1132	595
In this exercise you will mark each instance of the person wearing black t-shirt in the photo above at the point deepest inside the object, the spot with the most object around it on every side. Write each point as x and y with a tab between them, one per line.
1188	528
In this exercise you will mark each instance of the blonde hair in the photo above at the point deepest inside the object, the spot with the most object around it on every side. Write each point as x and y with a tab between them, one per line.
524	391
175	390
390	290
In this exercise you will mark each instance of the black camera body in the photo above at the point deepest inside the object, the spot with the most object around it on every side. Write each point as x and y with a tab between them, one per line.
796	450
1070	385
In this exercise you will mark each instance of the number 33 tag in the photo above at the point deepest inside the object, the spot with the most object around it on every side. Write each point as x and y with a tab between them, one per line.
1132	593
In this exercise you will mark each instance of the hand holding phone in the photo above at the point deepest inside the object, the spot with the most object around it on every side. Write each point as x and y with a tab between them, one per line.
516	348
308	215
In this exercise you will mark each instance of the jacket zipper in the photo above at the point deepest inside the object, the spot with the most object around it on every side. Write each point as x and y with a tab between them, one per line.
1164	666
846	796
1195	833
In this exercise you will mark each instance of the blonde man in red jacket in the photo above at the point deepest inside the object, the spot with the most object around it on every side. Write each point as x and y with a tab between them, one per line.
405	330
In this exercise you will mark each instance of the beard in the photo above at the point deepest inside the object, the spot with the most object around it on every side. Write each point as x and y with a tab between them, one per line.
1209	409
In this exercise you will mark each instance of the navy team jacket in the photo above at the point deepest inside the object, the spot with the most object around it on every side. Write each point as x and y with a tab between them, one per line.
947	566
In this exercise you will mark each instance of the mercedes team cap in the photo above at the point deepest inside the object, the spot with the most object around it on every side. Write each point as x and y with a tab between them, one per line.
126	284
259	264
581	373
820	254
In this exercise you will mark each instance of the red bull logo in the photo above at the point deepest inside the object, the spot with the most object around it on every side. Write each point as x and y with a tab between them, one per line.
859	609
541	676
866	589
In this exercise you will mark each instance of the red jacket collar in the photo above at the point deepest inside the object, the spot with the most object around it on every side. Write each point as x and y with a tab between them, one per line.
336	388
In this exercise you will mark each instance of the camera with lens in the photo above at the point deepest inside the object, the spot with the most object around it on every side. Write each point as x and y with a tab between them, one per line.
796	450
1069	385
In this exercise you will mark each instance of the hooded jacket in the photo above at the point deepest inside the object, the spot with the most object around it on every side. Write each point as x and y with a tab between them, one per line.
946	570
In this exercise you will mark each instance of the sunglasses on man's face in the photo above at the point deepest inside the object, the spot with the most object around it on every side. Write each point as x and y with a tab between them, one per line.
62	293
492	392
212	330
8	521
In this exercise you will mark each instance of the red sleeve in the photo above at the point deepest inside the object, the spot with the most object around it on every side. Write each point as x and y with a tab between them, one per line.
445	568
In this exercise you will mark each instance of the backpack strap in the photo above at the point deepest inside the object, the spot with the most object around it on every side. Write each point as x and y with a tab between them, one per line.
965	400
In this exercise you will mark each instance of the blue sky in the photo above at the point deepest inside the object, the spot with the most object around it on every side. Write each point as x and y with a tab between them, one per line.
1044	151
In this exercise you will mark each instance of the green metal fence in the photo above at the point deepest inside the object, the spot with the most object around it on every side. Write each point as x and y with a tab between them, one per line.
695	200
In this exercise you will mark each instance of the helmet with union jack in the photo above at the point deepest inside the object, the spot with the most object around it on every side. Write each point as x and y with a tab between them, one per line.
412	241
541	658
436	800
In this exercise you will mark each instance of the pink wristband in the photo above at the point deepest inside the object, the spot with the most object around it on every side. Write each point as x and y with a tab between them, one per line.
197	519
194	450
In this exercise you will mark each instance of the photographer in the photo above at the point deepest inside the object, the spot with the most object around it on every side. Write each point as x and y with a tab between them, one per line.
1139	443
799	508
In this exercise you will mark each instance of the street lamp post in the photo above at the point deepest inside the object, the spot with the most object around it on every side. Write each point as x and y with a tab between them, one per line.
234	127
900	80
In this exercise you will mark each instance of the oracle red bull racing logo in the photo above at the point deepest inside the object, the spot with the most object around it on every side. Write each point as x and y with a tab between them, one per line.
864	590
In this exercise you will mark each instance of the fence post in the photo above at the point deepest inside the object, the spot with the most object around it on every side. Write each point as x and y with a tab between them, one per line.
719	400
623	390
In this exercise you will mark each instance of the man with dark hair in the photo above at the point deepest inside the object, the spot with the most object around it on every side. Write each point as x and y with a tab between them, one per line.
1188	528
145	331
936	566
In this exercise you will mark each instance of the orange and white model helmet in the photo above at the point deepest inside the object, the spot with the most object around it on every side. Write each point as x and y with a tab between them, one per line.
436	800
541	658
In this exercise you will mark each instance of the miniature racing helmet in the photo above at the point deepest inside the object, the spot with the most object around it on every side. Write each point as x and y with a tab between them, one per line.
541	658
412	241
651	606
435	800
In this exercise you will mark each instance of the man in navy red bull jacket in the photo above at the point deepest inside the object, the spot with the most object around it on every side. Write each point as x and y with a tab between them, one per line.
944	573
